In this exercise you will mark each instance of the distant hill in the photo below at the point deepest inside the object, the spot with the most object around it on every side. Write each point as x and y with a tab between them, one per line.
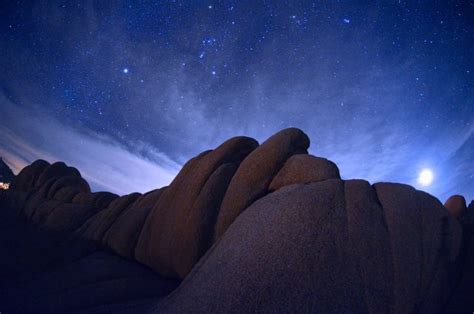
6	174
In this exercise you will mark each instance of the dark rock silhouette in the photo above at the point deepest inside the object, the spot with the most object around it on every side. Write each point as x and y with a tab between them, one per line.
96	199
26	179
456	205
249	228
6	174
56	171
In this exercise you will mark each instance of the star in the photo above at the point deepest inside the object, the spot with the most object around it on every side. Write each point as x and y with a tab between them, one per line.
125	70
346	20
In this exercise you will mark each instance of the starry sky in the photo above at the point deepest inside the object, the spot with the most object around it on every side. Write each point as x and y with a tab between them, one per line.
127	91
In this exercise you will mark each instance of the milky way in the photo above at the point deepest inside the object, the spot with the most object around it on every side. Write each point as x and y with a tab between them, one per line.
128	92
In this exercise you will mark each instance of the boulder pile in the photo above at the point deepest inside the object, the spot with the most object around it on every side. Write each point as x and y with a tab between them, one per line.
244	227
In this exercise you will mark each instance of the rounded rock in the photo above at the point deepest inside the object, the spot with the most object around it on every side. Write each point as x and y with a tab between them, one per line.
256	172
304	168
456	205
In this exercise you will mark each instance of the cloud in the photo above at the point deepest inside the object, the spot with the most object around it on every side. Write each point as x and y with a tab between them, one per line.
372	116
104	163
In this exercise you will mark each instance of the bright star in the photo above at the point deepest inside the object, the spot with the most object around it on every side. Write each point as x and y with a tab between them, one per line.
125	70
425	177
213	72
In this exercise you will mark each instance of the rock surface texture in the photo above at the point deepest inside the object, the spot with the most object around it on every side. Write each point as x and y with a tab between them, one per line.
242	228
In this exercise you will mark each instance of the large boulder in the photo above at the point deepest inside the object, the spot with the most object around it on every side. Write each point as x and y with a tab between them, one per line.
43	210
56	170
256	172
96	227
67	193
285	253
461	300
170	214
70	181
97	199
68	217
26	179
304	168
148	200
37	197
456	205
122	236
363	209
420	228
195	234
53	178
307	248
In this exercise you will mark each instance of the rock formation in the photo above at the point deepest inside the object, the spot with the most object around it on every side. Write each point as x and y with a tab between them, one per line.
456	205
242	228
6	174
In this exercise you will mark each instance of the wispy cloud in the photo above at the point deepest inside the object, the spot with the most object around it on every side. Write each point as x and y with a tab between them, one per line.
103	162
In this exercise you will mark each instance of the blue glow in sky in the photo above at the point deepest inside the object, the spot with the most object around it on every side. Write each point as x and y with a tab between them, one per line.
383	89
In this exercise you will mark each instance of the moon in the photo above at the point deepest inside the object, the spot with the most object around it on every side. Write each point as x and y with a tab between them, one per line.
426	176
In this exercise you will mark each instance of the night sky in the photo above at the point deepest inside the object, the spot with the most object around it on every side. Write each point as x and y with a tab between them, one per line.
129	91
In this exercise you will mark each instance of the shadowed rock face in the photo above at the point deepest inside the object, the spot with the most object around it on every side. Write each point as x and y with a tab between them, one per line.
56	171
6	174
26	179
456	205
96	199
71	182
249	228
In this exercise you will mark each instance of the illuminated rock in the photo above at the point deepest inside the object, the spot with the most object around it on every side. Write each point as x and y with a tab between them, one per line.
304	168
308	248
256	172
163	231
291	237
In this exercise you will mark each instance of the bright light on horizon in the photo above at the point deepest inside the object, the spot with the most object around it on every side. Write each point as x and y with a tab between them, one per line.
426	176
